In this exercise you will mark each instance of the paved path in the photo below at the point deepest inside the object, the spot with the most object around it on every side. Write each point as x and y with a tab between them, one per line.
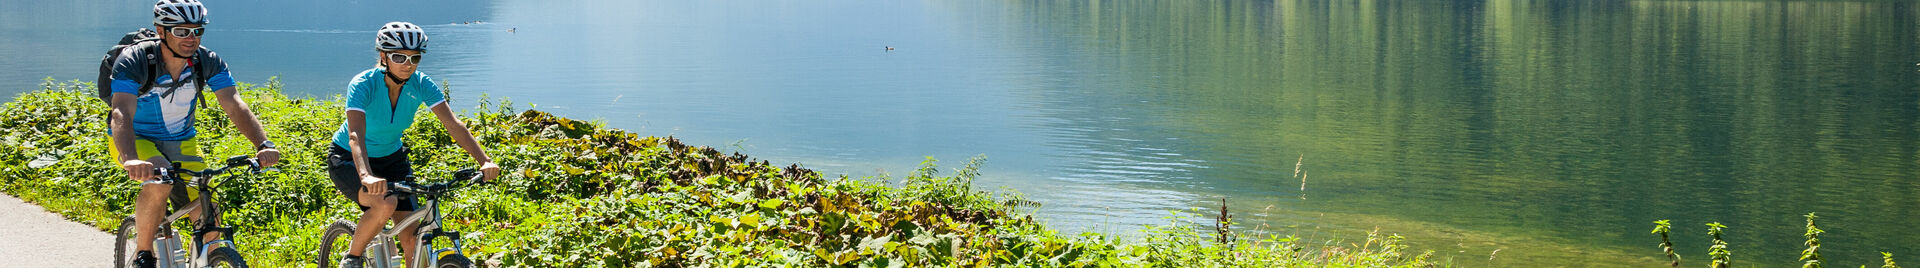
32	237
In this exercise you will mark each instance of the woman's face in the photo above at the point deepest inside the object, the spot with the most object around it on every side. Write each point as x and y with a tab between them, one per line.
401	63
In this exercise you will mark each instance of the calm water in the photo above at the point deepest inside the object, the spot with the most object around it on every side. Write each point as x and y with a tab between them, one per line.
1551	131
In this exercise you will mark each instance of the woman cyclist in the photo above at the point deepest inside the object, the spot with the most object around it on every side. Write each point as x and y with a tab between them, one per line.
367	152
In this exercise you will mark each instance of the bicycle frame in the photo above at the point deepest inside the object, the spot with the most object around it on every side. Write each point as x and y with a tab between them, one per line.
201	228
209	211
424	255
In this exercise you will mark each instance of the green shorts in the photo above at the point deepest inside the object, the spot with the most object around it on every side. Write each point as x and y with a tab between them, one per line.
183	154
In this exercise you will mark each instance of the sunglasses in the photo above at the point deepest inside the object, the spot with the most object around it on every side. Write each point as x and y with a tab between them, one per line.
182	32
398	58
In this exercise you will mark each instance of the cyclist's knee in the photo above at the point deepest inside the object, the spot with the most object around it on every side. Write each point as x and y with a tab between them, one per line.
389	202
151	192
383	205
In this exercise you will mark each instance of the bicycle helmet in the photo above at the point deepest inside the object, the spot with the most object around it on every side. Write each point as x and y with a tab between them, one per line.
177	12
400	36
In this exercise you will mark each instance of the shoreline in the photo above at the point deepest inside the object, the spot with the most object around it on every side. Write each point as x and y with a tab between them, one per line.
574	189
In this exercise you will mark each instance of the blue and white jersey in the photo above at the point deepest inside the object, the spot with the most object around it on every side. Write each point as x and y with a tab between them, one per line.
162	116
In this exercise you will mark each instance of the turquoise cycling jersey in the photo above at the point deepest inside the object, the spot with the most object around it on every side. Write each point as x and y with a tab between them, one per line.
386	118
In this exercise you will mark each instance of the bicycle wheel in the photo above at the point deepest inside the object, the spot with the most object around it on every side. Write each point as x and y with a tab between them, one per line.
454	261
123	244
334	243
225	257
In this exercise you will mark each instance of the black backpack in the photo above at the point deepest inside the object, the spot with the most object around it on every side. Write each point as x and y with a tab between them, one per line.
148	41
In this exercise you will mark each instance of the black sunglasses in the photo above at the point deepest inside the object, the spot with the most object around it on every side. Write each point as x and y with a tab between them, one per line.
398	58
183	32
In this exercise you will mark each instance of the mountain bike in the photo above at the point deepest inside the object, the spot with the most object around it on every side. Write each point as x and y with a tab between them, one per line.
169	250
384	251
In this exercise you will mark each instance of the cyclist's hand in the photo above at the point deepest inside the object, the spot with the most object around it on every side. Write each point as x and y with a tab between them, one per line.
373	185
138	170
488	171
268	157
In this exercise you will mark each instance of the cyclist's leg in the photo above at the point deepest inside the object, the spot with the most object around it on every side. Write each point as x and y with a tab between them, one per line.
409	236
374	209
186	155
403	206
151	203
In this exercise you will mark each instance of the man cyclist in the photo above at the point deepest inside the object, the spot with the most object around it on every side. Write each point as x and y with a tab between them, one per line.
157	126
367	151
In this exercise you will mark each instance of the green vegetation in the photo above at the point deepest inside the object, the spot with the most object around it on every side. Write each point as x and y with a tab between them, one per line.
1722	257
1662	227
576	194
1811	256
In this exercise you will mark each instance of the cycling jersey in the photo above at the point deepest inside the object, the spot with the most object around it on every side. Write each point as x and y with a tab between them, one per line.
386	118
159	115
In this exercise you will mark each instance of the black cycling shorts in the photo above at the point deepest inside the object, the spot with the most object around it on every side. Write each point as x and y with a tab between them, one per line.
393	167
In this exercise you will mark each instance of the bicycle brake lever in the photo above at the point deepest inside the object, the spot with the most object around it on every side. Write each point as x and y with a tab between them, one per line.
257	169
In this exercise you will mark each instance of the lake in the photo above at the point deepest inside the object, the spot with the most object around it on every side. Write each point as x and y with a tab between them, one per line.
1500	133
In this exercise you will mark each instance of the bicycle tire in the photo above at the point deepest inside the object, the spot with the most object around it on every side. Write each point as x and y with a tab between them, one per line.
454	261
227	256
335	231
122	238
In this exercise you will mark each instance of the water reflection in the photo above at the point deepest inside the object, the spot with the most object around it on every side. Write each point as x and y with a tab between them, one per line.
1552	130
1566	123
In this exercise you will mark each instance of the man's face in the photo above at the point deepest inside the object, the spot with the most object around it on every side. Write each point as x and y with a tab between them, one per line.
183	38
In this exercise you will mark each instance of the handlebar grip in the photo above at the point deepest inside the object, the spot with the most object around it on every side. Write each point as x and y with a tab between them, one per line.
240	160
470	175
161	176
399	187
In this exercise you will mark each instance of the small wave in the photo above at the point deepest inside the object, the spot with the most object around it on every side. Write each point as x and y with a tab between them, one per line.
302	31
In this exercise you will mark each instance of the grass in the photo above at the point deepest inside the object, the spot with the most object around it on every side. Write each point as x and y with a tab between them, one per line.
577	194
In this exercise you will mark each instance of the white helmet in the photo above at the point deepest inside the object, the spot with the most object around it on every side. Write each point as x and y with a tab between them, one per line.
400	36
177	12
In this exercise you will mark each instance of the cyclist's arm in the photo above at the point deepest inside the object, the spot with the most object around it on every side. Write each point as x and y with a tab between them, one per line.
242	115
357	137
357	101
122	123
121	117
124	100
237	110
459	133
227	94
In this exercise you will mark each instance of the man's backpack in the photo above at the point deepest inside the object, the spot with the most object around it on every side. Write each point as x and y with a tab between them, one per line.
148	67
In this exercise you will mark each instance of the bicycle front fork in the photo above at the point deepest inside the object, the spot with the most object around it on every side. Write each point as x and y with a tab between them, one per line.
168	251
384	250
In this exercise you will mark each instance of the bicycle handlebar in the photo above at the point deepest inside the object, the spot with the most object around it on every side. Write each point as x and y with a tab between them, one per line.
164	174
462	178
